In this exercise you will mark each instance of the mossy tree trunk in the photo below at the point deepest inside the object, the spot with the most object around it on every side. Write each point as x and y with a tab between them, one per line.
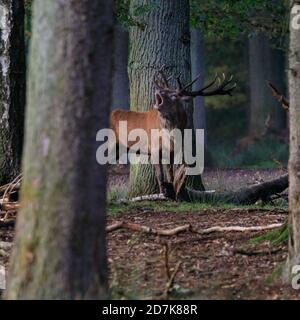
162	37
294	162
60	250
12	87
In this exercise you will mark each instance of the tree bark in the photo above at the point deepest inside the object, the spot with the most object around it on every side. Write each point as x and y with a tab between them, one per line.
265	64
60	250
164	39
294	162
12	87
120	98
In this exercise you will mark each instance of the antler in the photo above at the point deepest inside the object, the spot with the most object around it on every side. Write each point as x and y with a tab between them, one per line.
161	82
281	98
221	90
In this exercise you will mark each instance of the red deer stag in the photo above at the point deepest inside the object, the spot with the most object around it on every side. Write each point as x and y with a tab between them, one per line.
168	113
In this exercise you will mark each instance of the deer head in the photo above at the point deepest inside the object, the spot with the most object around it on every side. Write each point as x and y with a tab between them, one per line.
170	100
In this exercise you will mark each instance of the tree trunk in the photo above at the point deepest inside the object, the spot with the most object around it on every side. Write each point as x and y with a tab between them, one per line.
197	58
265	64
164	39
198	68
120	98
294	162
12	87
60	235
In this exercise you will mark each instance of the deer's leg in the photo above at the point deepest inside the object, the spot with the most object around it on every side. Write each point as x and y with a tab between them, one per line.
164	187
159	172
170	168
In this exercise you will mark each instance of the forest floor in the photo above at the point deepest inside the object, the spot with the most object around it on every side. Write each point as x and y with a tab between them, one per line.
220	265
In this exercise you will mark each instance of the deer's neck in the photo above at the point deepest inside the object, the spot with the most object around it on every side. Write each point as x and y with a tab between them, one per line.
172	121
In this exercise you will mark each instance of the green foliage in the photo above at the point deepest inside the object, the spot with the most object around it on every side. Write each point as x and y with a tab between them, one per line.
274	237
135	16
269	153
117	208
28	15
231	18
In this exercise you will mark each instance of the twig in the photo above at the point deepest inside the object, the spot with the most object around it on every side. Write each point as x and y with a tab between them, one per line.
167	266
170	283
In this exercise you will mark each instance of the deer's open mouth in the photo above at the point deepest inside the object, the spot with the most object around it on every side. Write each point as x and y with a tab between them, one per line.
158	100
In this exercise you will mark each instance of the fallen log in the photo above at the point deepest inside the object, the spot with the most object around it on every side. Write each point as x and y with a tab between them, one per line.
245	196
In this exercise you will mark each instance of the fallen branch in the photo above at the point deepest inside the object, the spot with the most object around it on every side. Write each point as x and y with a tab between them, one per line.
237	229
150	197
10	206
187	227
145	229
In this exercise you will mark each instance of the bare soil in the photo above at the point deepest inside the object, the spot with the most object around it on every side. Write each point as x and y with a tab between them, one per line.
216	266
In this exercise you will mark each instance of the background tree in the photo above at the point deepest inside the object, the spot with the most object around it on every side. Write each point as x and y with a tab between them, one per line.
60	236
265	63
120	97
159	36
197	59
294	162
12	87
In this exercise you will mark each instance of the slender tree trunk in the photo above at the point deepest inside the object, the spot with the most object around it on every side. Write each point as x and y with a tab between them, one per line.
12	87
294	163
162	38
198	68
120	98
197	58
60	235
265	64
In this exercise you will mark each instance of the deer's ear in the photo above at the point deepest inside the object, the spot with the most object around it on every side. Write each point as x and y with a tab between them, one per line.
186	99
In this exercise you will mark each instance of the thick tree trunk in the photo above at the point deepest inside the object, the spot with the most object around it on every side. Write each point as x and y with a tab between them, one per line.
294	163
265	64
164	39
12	87
120	98
60	237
